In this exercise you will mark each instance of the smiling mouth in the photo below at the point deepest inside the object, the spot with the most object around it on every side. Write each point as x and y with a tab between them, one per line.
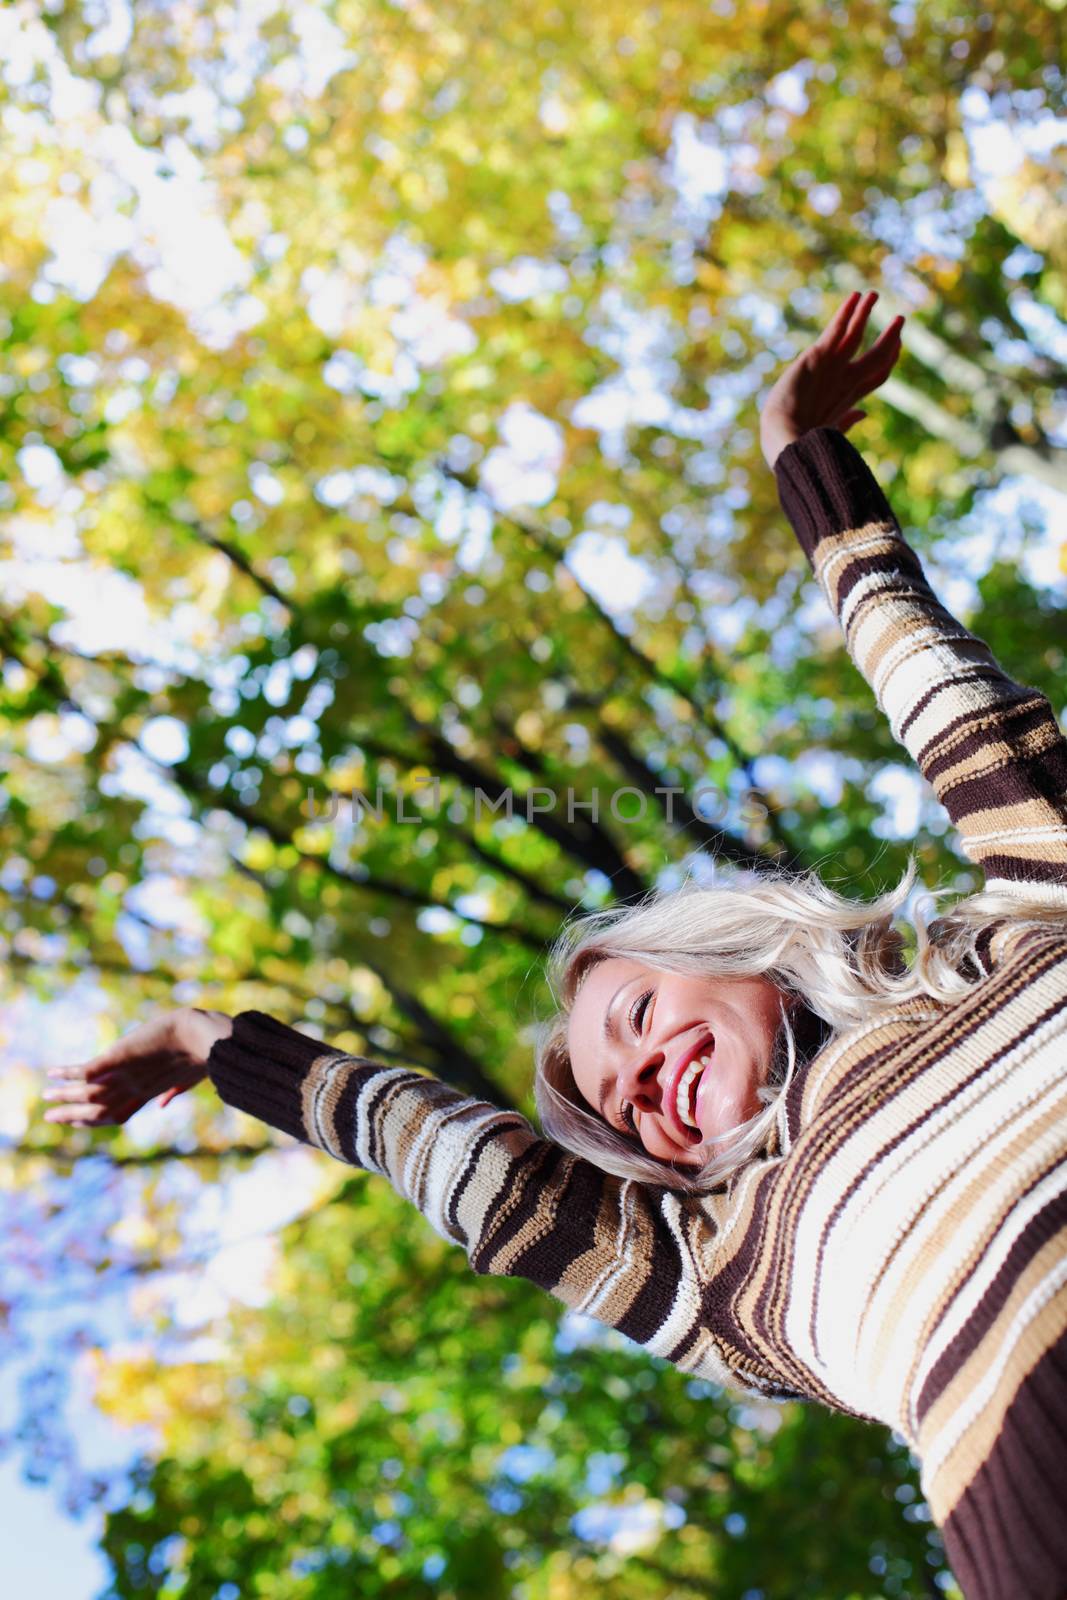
693	1128
688	1086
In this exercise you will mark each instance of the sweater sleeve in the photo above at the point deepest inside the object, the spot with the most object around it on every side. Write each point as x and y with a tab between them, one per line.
634	1256
991	748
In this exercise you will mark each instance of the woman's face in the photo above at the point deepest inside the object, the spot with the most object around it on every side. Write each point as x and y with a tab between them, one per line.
669	1060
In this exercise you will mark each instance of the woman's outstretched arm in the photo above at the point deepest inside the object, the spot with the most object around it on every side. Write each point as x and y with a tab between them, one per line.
634	1256
991	749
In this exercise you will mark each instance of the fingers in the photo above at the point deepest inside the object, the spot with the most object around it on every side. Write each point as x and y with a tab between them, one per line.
90	1116
81	1072
874	369
844	334
84	1103
87	1095
837	326
844	331
847	420
88	1104
852	337
884	351
78	1113
72	1090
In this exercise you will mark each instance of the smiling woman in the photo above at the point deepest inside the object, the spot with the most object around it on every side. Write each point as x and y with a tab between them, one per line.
780	1155
678	1065
683	1019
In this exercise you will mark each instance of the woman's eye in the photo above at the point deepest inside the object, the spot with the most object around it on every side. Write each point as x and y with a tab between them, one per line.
638	1009
628	1119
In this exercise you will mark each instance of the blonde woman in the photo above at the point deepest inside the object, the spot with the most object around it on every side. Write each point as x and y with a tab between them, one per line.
777	1154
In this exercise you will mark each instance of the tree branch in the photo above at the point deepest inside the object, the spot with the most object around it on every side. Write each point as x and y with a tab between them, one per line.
199	789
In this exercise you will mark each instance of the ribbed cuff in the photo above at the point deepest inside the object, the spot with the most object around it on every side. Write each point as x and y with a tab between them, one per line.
826	487
261	1069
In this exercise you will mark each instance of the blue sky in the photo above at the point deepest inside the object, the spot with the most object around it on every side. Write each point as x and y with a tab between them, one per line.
46	1553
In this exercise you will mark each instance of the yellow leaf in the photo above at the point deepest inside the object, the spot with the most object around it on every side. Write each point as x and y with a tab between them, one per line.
957	164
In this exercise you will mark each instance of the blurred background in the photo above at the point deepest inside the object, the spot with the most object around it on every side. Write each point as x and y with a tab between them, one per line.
379	402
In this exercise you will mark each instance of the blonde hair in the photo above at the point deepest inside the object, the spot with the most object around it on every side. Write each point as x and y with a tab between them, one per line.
842	958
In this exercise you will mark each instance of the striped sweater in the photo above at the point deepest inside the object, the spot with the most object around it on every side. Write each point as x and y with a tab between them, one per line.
899	1250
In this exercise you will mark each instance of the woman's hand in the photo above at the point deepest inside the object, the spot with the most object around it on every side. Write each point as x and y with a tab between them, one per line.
820	388
163	1057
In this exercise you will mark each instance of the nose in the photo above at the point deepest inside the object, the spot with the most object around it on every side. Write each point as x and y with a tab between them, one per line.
640	1078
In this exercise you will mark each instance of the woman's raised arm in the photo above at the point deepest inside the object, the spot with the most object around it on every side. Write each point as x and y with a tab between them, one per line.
991	748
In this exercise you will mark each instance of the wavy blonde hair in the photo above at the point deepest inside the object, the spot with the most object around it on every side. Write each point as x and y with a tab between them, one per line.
843	958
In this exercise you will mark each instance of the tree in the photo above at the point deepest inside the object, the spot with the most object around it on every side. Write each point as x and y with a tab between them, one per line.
455	476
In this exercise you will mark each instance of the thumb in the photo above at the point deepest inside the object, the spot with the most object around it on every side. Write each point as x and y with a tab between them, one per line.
849	420
171	1094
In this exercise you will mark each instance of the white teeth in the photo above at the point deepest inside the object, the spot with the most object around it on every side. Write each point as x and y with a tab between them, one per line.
693	1070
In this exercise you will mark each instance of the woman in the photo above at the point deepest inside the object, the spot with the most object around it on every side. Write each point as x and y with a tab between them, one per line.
778	1156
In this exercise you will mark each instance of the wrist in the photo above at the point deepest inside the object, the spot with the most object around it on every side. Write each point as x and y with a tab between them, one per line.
199	1029
775	439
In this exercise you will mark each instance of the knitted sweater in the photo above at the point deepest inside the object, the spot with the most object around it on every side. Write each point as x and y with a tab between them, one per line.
899	1250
